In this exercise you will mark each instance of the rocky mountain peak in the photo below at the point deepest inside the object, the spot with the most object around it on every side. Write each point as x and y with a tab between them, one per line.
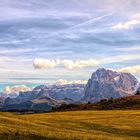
103	75
107	83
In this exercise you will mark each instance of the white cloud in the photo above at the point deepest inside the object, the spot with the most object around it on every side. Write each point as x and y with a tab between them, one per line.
64	82
40	63
131	69
16	89
126	25
69	64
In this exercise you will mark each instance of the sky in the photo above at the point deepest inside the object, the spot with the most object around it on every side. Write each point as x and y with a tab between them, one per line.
43	41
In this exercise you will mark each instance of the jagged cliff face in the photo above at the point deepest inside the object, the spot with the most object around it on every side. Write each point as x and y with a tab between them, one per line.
106	84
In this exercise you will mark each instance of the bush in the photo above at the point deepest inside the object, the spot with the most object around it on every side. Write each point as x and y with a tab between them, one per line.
103	100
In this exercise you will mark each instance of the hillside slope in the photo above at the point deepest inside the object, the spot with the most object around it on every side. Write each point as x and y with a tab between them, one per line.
130	102
78	125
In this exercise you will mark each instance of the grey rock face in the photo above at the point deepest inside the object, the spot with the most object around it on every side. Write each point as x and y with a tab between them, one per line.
138	89
58	92
109	84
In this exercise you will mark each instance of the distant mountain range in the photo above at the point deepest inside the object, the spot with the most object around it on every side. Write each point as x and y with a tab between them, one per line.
103	84
44	97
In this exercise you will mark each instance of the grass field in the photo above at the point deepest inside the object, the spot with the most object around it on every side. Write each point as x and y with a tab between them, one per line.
84	125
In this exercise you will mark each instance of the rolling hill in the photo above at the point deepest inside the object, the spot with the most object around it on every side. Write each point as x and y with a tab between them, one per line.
74	125
129	102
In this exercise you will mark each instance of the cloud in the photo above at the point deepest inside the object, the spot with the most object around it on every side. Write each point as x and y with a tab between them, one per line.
126	25
119	58
128	49
66	30
16	89
64	82
91	21
131	69
78	64
40	63
69	64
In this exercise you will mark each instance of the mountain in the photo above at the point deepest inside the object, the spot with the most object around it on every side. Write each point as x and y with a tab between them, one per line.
138	90
38	104
105	84
57	92
1	101
44	97
5	95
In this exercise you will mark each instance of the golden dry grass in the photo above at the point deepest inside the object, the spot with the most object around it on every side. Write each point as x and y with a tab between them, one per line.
84	125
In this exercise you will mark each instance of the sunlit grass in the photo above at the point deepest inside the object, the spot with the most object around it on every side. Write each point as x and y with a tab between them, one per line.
98	125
